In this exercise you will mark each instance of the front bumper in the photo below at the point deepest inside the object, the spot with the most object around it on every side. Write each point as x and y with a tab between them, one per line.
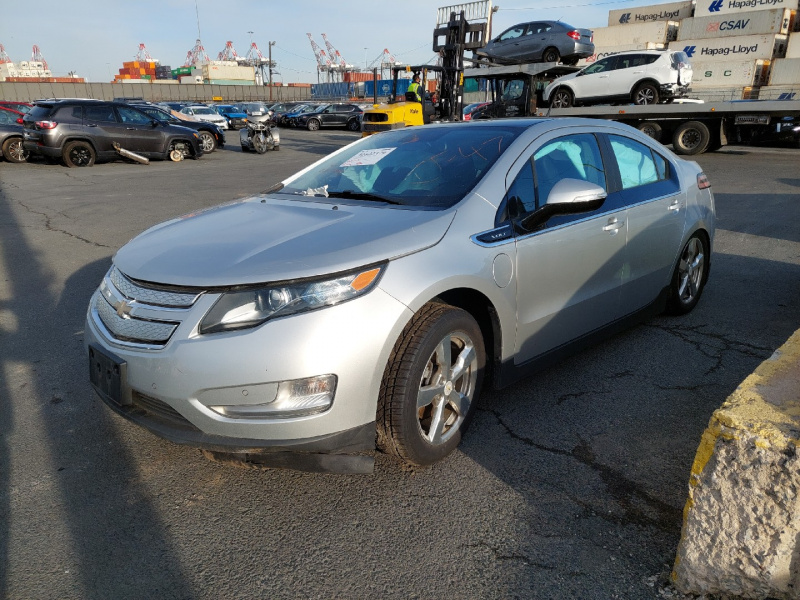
170	388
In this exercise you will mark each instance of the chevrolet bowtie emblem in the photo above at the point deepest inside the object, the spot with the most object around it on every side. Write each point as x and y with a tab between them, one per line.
123	309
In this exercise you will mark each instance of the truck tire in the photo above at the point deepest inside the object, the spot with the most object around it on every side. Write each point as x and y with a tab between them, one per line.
691	138
650	129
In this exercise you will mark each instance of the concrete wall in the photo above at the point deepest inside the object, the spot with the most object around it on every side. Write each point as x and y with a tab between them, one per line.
155	92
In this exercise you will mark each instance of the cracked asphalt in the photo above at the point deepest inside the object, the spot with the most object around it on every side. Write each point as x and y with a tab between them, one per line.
569	484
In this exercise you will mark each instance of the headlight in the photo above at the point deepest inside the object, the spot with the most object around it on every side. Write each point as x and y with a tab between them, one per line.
250	308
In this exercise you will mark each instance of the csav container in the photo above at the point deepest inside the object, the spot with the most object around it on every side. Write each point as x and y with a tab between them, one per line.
762	22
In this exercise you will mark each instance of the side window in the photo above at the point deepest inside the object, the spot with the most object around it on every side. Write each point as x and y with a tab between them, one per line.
602	65
129	115
638	165
7	117
512	33
100	114
574	156
521	196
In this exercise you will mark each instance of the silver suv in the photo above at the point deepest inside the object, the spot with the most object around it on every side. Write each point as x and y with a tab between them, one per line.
641	77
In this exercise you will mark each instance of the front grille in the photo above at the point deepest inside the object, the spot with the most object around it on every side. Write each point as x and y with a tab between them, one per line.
137	313
160	411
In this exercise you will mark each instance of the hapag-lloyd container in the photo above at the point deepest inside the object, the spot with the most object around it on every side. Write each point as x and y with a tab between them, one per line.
608	51
729	74
704	8
762	22
675	11
740	47
656	32
785	71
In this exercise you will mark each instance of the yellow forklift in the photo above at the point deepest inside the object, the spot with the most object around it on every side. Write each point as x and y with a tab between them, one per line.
450	41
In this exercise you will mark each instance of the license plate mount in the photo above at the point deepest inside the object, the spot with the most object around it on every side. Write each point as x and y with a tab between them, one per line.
108	375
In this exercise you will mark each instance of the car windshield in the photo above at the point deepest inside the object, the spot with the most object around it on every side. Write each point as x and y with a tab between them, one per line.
203	111
423	167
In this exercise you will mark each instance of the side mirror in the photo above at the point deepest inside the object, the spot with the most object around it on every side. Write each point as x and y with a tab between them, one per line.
567	197
154	122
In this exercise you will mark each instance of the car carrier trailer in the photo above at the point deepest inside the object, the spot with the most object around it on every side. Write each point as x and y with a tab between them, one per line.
691	127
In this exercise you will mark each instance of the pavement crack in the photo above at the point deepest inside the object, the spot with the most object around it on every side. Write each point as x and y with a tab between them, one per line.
639	507
500	555
48	225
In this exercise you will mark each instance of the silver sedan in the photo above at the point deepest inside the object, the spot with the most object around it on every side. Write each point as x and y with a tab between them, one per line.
367	299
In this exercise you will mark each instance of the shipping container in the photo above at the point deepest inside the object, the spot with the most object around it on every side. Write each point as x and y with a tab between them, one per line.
230	82
715	94
657	32
228	72
793	49
191	79
780	92
726	7
760	22
608	51
785	71
675	11
730	74
750	47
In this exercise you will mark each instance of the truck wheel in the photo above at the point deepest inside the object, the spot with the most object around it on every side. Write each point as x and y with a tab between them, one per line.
650	129
78	154
14	151
645	93
551	55
430	385
691	138
562	98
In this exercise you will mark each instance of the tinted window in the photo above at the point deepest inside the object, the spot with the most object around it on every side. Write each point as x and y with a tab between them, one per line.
130	115
7	117
637	163
512	33
521	196
573	156
103	113
604	64
40	113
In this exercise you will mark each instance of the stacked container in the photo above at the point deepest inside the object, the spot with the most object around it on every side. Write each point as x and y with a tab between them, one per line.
136	71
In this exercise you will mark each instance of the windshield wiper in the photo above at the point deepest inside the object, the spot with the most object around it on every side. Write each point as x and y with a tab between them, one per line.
362	196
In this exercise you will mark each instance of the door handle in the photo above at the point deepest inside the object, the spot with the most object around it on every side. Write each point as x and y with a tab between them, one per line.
614	225
675	206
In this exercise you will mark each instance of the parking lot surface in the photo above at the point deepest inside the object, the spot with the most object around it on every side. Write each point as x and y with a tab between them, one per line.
570	484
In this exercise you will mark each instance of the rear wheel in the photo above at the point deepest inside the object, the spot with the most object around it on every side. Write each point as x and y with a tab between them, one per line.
562	98
430	385
551	55
207	142
650	129
691	138
690	276
78	154
645	93
14	151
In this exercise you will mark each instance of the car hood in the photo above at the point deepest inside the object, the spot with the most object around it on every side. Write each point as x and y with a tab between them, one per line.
266	238
234	114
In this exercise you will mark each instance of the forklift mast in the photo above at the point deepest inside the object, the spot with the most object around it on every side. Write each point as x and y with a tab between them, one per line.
451	40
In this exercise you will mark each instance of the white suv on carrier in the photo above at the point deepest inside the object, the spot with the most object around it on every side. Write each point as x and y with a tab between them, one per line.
639	76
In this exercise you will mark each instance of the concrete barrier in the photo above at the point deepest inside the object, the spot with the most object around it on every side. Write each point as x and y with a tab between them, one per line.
741	528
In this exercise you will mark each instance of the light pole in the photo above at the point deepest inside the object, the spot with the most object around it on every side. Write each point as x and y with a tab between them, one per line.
365	59
271	44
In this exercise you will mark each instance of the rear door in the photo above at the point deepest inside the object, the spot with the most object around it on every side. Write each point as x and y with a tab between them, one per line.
101	125
630	69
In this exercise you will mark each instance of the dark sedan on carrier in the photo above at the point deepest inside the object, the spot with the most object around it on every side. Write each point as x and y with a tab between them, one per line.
539	41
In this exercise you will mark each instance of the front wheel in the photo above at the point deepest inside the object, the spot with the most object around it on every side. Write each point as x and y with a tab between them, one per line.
260	142
78	154
690	276
430	385
646	93
561	98
207	142
353	125
14	151
312	125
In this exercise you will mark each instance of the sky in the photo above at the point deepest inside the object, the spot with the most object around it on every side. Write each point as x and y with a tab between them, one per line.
93	38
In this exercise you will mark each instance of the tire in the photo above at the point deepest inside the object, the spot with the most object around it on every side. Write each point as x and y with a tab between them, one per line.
245	148
571	62
353	125
645	93
691	138
650	129
562	98
431	384
312	125
260	142
690	276
78	154
14	151
551	55
207	142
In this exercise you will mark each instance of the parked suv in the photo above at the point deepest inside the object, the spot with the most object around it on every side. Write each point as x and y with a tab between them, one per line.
81	131
211	136
641	77
539	41
332	115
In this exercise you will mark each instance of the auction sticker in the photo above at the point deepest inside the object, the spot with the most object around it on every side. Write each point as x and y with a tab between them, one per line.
367	157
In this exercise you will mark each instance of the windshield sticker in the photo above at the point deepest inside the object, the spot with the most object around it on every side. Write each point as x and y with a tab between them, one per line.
320	191
366	157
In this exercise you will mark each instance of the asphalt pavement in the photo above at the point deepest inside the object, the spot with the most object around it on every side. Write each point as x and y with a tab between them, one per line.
569	484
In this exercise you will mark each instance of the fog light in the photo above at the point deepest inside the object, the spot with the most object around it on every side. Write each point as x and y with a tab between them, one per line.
296	398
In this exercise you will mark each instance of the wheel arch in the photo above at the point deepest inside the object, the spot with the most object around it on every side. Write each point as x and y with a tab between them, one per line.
78	138
645	80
